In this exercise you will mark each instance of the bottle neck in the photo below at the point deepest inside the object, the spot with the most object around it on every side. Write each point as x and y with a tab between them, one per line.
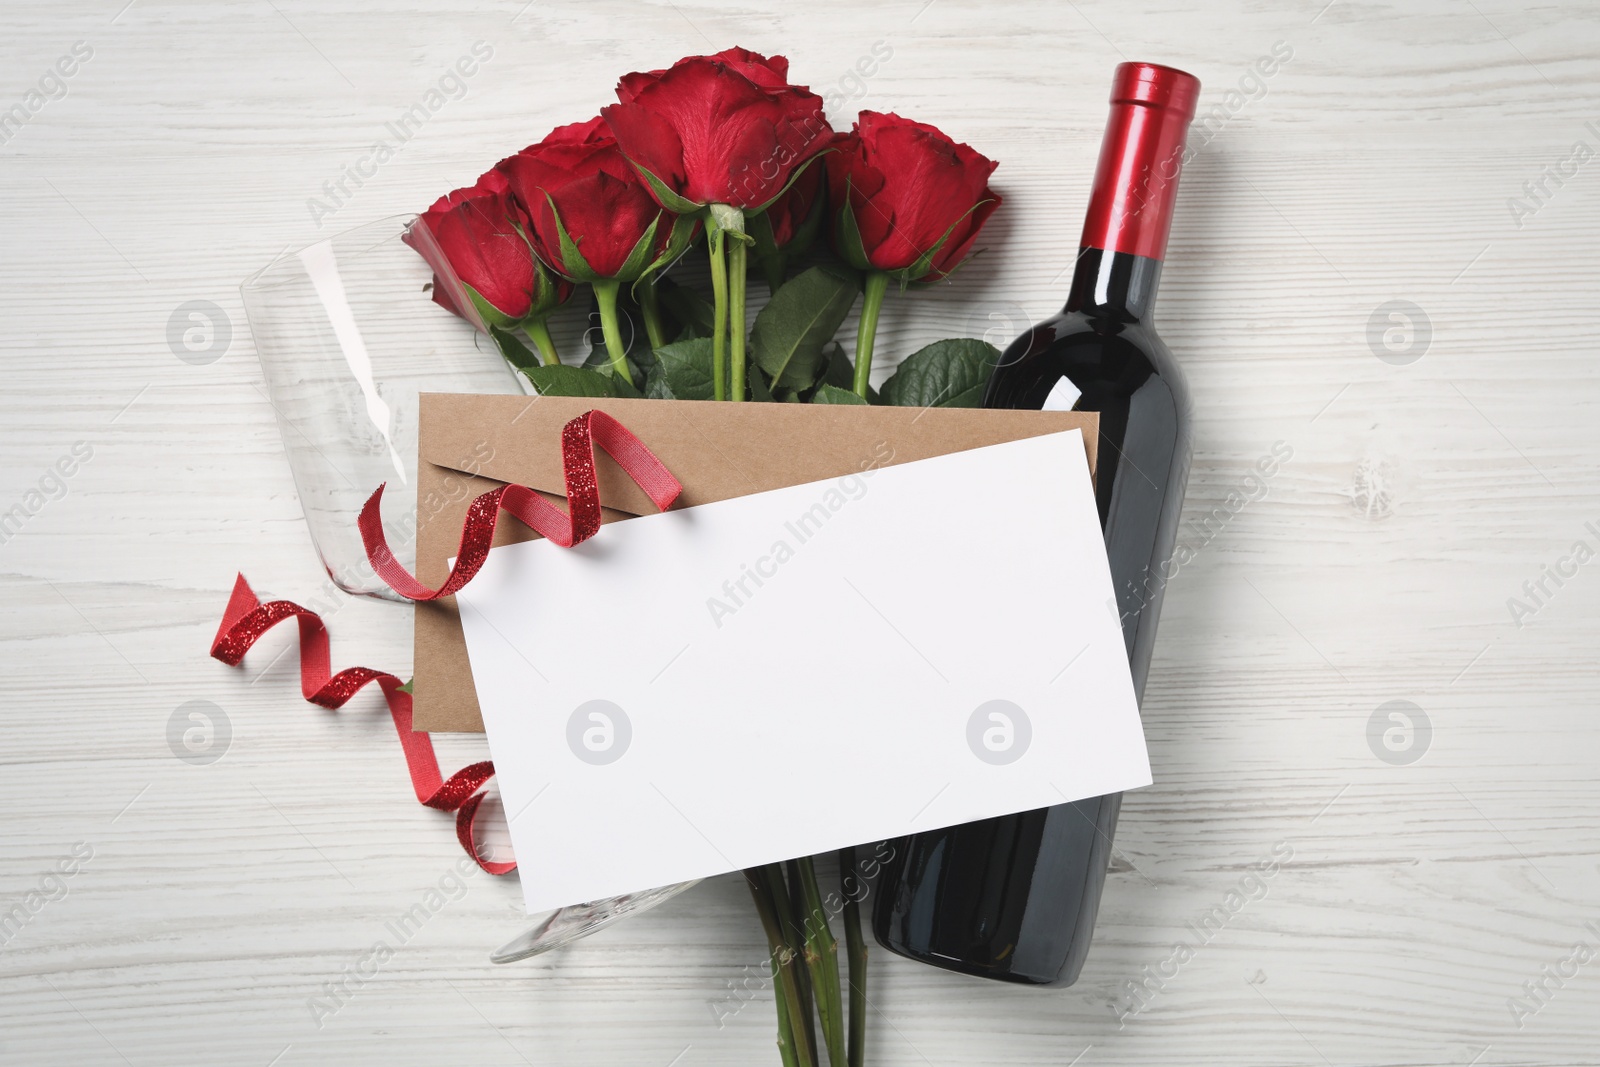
1135	187
1115	285
1136	180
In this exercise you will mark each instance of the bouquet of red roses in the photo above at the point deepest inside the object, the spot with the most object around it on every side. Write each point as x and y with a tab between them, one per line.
723	150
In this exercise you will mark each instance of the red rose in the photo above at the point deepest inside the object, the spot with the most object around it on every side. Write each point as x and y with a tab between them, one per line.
475	228
724	129
770	73
594	131
589	214
908	199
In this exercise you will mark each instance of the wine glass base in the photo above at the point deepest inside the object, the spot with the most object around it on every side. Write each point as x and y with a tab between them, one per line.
565	925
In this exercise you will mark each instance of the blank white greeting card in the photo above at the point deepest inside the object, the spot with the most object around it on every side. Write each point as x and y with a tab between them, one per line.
794	671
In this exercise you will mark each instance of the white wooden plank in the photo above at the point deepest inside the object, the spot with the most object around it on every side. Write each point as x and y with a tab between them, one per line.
1376	166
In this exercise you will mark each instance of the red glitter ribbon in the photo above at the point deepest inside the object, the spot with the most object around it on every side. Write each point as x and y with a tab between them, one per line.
577	524
247	619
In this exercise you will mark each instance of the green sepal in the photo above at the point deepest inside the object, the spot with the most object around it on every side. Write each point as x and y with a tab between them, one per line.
577	268
668	199
491	315
677	243
930	281
794	177
573	265
546	292
847	235
924	264
639	259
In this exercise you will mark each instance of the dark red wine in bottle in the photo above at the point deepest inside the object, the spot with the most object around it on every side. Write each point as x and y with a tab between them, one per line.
1015	898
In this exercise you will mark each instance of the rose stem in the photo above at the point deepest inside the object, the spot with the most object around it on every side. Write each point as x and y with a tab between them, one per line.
822	959
538	332
856	946
651	306
877	285
802	978
786	1049
719	330
605	291
789	906
736	278
778	952
792	1045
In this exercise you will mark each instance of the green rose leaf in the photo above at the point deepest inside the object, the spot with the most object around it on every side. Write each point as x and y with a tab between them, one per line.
759	227
789	335
682	371
627	389
576	381
517	354
946	374
832	394
599	361
840	370
759	389
693	313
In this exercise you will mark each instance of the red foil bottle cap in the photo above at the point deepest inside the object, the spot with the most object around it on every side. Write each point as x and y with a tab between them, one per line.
1136	181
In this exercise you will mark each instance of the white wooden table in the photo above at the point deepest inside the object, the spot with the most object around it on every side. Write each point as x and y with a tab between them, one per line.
1424	489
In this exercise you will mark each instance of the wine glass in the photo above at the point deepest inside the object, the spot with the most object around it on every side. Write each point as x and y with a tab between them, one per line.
347	338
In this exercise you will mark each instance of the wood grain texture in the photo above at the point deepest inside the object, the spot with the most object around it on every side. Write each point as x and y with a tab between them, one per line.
1376	166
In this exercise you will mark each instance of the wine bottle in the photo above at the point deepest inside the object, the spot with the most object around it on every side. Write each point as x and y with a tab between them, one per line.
1015	898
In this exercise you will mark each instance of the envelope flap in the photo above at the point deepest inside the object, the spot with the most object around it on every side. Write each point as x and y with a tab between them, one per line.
716	450
512	439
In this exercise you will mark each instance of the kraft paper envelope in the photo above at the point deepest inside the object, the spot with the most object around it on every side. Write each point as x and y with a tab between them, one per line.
471	444
793	671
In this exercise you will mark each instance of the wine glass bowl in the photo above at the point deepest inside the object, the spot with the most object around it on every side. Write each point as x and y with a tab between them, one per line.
347	338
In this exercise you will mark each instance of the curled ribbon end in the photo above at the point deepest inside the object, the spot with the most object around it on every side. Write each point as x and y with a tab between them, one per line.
247	619
240	603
